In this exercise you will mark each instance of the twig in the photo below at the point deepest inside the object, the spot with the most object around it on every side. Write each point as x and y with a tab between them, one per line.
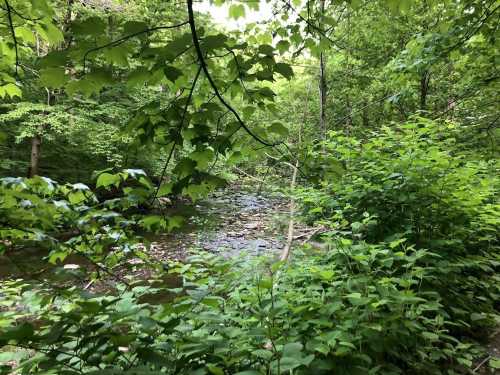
309	235
249	175
481	363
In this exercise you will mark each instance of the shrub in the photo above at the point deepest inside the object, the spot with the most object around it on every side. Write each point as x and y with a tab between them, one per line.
412	180
415	182
360	309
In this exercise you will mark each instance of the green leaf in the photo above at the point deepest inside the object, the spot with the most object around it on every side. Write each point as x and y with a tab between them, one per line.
202	158
165	189
283	46
494	363
237	11
172	73
215	370
117	55
53	77
25	34
278	128
265	283
430	336
138	77
132	27
76	197
50	33
266	92
214	41
11	90
107	179
153	222
18	333
266	49
212	301
327	274
3	137
293	349
175	222
284	69
91	26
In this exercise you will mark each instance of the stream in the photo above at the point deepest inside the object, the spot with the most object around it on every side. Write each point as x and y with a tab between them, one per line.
228	222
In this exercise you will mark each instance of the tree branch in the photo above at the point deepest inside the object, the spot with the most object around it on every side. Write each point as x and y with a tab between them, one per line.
127	37
203	65
13	33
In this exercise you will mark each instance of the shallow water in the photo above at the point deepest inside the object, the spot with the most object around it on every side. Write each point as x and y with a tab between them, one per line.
229	222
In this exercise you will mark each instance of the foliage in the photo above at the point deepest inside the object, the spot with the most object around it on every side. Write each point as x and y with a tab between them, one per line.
407	281
412	182
413	179
69	219
358	309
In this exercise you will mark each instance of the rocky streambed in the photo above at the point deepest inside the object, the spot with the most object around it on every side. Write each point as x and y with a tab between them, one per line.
229	222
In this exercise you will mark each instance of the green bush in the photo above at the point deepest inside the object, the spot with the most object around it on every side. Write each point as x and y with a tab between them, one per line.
360	309
356	308
415	182
412	180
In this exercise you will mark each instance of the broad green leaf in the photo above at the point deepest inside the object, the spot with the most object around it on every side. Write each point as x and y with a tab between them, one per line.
278	128
237	11
11	90
165	189
25	34
107	179
53	77
284	69
172	73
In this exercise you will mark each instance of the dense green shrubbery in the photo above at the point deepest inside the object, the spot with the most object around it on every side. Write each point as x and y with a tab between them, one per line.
402	300
415	182
360	309
411	180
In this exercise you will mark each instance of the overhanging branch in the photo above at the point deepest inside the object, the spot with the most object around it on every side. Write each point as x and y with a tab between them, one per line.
204	67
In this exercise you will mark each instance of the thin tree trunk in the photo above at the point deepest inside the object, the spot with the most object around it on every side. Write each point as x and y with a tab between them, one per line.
424	89
285	254
349	121
36	143
36	140
322	86
322	95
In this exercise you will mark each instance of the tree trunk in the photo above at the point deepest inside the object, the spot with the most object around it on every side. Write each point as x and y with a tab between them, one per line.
36	143
322	86
285	253
424	89
322	95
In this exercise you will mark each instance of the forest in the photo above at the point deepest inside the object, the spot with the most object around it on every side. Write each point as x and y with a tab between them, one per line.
249	187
